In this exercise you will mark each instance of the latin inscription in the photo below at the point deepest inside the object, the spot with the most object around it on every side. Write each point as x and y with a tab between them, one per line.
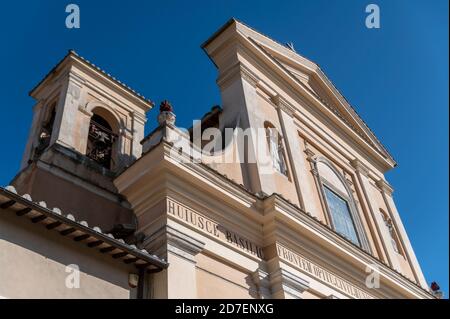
211	227
321	273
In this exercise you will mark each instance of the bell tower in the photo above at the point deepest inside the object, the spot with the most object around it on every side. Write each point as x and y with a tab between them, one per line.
76	93
87	127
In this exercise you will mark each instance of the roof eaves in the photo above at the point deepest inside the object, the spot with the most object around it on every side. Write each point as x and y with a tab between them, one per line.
103	72
66	225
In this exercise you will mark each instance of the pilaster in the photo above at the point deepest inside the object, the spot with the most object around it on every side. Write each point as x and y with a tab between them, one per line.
298	163
240	108
262	282
386	191
179	281
285	284
362	174
38	109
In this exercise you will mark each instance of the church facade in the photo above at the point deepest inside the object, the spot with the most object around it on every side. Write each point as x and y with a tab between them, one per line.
278	193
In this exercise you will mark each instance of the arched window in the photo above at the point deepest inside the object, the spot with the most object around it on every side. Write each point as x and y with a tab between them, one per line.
340	214
339	203
275	143
46	130
101	140
390	228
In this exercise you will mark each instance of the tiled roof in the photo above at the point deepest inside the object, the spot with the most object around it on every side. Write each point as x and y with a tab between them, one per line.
79	231
92	65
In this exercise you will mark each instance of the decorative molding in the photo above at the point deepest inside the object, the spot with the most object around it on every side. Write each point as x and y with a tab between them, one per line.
209	226
310	155
385	187
138	117
280	206
314	172
284	105
356	216
287	282
249	76
360	167
237	71
261	279
321	273
350	183
105	105
168	239
76	78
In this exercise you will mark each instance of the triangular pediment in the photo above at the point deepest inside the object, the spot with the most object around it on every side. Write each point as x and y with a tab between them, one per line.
310	78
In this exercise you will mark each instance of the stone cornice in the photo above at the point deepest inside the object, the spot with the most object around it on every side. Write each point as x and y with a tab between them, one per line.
168	239
284	105
211	175
140	118
359	133
72	59
360	167
385	187
333	237
284	280
237	70
275	207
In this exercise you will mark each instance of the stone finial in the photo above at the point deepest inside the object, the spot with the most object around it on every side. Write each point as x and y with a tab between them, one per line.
436	290
166	115
165	106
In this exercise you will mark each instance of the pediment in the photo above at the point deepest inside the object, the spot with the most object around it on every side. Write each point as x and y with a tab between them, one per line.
309	75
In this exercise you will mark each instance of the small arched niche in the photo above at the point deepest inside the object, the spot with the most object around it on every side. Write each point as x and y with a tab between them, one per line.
103	138
395	242
276	148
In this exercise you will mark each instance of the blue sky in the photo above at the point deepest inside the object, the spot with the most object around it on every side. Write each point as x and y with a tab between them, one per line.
396	77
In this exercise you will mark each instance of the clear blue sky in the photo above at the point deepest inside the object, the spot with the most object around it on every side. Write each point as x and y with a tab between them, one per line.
396	77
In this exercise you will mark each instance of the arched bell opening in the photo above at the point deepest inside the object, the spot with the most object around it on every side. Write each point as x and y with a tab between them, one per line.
103	139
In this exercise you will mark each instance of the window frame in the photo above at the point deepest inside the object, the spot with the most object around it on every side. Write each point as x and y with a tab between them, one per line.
354	214
346	199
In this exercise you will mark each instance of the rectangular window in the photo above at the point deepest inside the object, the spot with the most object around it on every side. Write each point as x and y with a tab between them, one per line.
341	216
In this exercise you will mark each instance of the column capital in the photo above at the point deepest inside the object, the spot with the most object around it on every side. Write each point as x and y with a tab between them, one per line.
360	167
285	281
283	105
138	117
237	70
249	76
385	187
168	239
261	279
310	155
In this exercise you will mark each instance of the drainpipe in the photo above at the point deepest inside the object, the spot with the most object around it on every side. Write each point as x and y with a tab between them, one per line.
141	284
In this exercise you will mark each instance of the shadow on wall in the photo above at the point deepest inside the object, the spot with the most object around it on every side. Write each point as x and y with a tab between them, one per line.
33	264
